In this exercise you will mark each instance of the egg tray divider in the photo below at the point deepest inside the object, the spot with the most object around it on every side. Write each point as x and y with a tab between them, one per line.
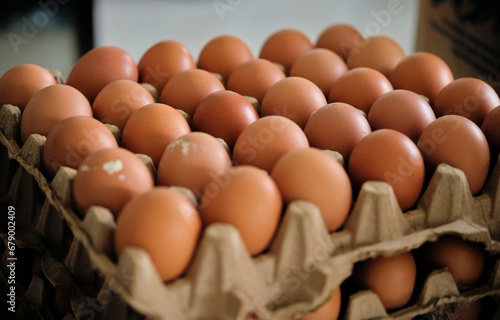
224	282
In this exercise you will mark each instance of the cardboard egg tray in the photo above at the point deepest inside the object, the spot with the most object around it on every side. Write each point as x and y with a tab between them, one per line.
293	277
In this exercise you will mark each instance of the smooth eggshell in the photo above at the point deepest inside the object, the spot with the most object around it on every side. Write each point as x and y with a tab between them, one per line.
359	87
188	88
192	161
339	38
491	130
254	77
423	73
468	97
401	110
266	140
285	47
21	82
99	67
72	140
51	105
117	101
391	278
109	178
312	175
295	98
247	198
390	156
224	114
223	54
338	127
458	142
162	61
165	224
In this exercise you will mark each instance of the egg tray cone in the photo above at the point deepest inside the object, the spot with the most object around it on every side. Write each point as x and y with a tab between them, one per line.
296	275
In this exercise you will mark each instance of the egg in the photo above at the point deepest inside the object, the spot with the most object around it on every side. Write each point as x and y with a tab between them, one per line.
49	106
264	141
337	127
423	73
73	139
21	82
391	278
390	156
247	198
458	142
464	259
152	128
359	87
162	61
468	97
99	67
192	161
109	178
312	175
295	98
223	54
377	52
322	66
188	88
285	47
491	130
165	224
401	110
254	77
329	310
118	100
224	114
339	38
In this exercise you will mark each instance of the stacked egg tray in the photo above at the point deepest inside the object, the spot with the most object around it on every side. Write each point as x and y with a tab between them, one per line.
296	275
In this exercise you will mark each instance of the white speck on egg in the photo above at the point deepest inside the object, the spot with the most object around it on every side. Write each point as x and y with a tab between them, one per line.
121	177
112	166
85	168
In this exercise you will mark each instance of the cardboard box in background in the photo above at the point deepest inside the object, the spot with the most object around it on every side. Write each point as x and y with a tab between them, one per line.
465	34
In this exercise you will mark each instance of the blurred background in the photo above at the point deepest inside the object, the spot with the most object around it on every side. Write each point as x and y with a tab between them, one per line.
55	33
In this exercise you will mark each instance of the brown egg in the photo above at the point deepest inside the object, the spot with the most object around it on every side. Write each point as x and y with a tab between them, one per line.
117	101
188	88
254	77
457	141
321	66
338	127
247	198
468	97
152	128
378	52
390	156
99	67
285	47
295	98
391	278
401	110
162	61
51	105
224	114
339	38
21	82
423	73
472	312
223	54
266	140
330	310
359	87
72	140
312	175
192	161
165	224
109	178
464	259
491	130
